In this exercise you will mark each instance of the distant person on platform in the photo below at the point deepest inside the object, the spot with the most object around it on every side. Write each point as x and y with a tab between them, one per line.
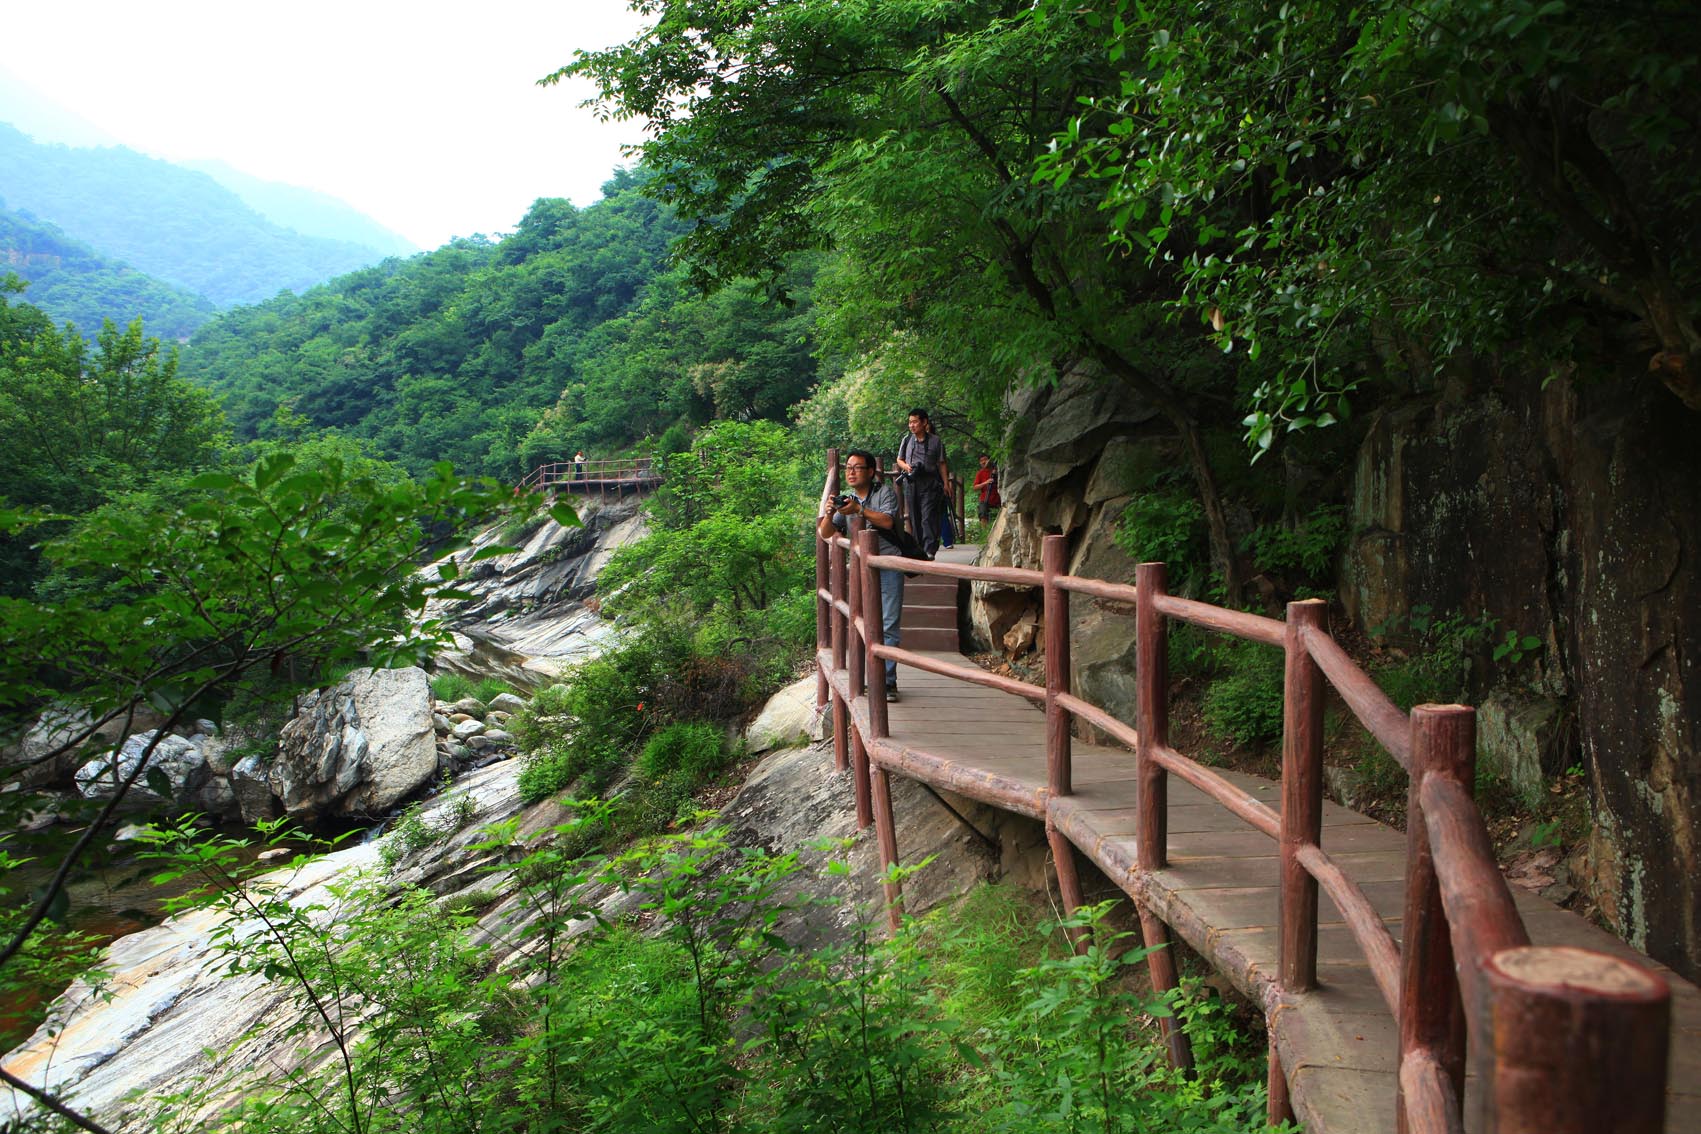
878	507
921	457
986	488
579	465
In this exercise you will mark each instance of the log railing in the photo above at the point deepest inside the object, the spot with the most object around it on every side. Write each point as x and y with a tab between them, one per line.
1563	1040
603	475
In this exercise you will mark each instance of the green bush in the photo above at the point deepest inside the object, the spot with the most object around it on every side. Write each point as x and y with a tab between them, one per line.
687	752
490	688
1244	705
451	686
1167	527
1307	547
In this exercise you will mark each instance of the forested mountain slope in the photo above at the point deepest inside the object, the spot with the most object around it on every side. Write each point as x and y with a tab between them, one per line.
176	224
572	332
72	282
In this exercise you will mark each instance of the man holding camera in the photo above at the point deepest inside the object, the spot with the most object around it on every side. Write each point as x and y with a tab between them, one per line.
878	507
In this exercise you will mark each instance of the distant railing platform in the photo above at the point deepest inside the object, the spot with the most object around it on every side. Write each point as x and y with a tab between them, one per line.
616	476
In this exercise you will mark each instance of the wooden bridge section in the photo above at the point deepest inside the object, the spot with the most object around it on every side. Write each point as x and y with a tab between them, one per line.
1406	987
615	477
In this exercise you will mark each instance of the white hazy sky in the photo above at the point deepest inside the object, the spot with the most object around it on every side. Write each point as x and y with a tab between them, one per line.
424	115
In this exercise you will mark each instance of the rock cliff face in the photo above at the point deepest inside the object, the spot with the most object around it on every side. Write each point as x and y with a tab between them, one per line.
528	620
1572	515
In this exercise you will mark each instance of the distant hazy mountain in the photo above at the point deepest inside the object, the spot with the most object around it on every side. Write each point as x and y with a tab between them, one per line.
177	224
45	120
72	283
307	211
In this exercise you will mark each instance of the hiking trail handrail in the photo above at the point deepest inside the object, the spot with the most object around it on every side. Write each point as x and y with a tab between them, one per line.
635	471
1542	1024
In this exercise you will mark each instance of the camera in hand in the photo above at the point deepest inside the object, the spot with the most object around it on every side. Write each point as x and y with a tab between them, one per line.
841	500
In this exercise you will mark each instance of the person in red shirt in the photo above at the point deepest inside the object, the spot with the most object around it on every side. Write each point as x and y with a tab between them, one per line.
986	487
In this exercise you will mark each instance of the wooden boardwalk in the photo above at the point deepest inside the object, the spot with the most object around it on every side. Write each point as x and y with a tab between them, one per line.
1337	1044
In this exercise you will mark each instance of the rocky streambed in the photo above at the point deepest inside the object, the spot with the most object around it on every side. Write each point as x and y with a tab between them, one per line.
141	1032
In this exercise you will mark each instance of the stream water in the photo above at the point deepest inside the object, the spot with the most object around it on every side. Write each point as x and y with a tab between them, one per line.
109	895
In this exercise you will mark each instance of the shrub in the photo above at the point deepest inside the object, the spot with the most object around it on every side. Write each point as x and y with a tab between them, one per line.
1166	526
1307	547
490	688
451	686
688	753
1245	704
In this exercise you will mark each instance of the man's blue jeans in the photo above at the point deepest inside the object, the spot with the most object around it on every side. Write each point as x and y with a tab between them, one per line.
891	610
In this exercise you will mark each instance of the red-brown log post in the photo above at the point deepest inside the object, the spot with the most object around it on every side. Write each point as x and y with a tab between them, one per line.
886	833
823	609
1432	1017
1302	795
1577	1043
841	629
1068	881
1054	553
1160	965
1278	1104
878	729
860	782
1151	663
857	662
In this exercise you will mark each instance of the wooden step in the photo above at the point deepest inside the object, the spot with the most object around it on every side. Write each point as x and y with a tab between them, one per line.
941	616
930	592
928	638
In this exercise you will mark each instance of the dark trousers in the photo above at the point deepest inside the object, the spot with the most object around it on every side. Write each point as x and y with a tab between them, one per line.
927	504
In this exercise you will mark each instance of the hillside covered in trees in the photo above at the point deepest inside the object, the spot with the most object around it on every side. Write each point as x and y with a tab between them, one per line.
174	224
74	283
572	332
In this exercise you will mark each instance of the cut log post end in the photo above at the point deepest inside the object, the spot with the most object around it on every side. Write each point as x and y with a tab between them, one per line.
1579	1043
1566	972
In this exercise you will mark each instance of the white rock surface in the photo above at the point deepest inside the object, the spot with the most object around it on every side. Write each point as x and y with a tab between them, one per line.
788	719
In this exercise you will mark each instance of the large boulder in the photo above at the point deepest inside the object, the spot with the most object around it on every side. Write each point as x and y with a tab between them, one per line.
50	751
358	748
178	759
789	718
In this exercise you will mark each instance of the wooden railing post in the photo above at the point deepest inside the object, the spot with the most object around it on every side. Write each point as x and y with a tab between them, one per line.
1578	1043
1432	1017
856	675
857	661
842	630
871	624
1302	796
823	618
1151	661
1054	553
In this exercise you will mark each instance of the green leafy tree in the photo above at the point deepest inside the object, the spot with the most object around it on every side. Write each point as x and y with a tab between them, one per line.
731	522
200	602
904	134
89	424
1319	182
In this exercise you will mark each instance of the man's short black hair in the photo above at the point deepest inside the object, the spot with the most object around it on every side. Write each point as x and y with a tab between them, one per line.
868	458
921	413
